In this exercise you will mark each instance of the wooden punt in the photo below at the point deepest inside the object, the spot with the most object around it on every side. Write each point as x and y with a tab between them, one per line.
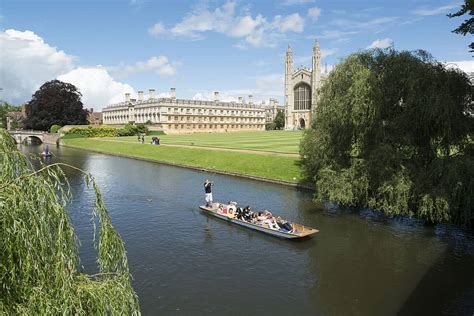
299	231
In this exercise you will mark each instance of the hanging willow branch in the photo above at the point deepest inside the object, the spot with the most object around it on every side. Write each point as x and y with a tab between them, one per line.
39	248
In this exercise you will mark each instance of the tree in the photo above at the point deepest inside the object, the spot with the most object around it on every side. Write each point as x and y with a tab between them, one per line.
468	25
55	102
39	262
279	120
394	131
4	109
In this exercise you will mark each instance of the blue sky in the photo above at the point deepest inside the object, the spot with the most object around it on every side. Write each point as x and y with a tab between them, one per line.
107	48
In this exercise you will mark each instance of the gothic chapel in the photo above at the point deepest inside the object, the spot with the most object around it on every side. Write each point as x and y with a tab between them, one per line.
301	88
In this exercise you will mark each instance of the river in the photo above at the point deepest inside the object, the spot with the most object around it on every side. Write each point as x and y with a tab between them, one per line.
187	263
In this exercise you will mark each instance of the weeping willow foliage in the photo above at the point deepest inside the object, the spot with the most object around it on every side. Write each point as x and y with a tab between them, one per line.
39	249
394	131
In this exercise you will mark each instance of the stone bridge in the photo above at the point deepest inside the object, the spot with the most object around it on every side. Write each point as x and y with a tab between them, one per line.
30	136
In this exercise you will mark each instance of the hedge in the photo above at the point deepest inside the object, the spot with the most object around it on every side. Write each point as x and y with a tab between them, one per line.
93	131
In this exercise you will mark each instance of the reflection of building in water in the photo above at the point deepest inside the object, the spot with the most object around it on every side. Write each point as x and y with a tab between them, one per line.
301	90
173	115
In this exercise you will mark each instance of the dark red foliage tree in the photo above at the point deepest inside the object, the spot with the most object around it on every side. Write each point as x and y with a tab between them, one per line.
55	102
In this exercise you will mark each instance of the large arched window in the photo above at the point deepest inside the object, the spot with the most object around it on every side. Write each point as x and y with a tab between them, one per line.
302	93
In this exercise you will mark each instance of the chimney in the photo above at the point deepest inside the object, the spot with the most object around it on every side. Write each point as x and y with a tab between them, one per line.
240	100
127	97
216	96
173	93
272	102
151	93
250	99
91	110
140	95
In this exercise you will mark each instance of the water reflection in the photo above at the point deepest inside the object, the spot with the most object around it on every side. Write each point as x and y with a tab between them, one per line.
360	263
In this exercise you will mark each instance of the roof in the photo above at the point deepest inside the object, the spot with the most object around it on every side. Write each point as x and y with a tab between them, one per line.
16	115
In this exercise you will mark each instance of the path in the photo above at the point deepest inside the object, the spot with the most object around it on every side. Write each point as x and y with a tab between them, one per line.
249	151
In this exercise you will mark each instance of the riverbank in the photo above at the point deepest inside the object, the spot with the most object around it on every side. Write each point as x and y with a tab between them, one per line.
270	168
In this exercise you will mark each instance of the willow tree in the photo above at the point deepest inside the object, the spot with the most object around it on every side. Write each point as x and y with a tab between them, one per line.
394	131
39	262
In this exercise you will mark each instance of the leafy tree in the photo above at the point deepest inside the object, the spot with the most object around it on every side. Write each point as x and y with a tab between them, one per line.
394	132
270	126
468	25
4	109
55	102
39	262
54	128
279	120
132	129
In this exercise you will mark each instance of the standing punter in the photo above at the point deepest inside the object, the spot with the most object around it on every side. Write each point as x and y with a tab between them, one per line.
207	189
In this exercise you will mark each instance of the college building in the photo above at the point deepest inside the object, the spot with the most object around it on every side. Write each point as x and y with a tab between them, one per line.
173	115
301	86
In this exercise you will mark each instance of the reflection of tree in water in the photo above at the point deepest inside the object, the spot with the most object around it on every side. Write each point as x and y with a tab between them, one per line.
362	264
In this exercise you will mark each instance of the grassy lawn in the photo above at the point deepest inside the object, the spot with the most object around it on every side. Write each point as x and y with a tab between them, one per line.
276	141
267	166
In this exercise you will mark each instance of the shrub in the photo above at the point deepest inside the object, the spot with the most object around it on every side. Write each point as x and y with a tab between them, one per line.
54	128
131	130
155	133
93	131
270	126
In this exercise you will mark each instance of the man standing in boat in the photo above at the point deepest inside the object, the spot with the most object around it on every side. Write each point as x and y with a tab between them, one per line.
207	190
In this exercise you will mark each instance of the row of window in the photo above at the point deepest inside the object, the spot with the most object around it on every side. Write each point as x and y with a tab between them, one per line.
211	126
212	111
213	119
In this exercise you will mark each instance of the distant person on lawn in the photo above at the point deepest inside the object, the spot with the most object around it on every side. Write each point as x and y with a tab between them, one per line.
208	192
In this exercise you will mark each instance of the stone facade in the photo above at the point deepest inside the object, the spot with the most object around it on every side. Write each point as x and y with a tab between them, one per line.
271	110
173	115
301	87
94	118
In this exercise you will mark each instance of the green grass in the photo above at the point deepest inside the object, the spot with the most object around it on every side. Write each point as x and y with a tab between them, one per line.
154	133
71	136
276	141
267	166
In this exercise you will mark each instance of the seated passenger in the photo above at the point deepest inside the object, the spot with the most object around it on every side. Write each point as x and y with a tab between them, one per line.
261	217
283	224
238	213
271	223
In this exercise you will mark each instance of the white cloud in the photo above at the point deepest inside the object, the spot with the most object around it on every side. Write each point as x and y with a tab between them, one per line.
264	87
335	34
246	26
257	31
293	22
427	11
364	25
160	65
157	29
314	13
26	63
325	52
464	65
381	43
97	86
296	2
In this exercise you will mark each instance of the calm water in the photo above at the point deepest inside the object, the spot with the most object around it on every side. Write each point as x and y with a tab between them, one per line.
186	263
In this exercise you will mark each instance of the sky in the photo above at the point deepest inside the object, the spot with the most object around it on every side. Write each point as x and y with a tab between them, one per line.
109	47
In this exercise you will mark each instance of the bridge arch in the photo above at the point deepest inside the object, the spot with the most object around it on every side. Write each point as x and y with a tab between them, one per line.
33	139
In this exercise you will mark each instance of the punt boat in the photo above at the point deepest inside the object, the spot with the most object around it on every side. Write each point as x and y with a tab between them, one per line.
227	213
